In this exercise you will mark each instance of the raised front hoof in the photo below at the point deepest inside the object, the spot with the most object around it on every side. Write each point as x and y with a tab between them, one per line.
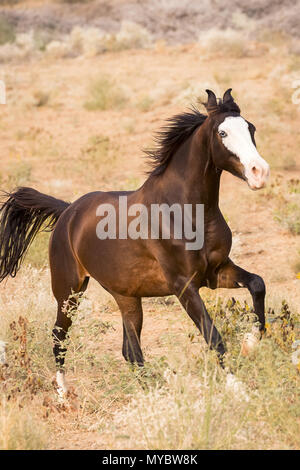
250	342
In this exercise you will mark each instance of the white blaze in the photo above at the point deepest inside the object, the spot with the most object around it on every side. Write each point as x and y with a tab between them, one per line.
238	141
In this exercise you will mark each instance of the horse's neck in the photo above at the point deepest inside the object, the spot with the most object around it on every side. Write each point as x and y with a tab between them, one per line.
190	177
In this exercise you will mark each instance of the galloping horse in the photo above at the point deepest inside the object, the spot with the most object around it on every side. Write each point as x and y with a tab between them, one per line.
191	153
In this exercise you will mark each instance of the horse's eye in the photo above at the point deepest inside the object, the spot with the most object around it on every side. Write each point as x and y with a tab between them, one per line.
222	134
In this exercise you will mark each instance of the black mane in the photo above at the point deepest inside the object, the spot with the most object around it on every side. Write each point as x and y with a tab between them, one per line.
177	131
169	139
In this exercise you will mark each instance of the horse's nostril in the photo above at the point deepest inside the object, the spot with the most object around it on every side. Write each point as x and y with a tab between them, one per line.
255	171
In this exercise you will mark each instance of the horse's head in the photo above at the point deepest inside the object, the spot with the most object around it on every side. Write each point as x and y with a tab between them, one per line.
232	142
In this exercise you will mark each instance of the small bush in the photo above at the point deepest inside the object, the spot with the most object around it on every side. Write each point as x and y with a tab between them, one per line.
286	195
57	49
105	94
7	33
145	103
132	35
18	173
87	41
242	22
98	155
41	98
288	214
224	42
42	38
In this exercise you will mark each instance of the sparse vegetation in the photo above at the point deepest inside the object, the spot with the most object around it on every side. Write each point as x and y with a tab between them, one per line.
19	429
18	173
41	98
105	94
286	195
288	214
178	401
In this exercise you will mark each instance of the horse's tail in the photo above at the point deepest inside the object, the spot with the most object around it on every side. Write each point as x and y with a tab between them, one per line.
23	214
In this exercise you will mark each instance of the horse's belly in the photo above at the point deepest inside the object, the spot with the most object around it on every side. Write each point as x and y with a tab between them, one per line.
126	270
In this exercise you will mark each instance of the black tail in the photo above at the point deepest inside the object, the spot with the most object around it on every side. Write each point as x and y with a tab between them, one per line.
24	213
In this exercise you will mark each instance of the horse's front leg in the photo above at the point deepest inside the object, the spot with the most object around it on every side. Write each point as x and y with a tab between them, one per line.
231	276
190	299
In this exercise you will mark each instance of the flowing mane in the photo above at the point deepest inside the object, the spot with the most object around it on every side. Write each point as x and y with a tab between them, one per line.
177	131
169	139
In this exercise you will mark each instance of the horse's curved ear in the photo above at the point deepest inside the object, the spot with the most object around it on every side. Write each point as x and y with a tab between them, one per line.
227	96
228	101
212	104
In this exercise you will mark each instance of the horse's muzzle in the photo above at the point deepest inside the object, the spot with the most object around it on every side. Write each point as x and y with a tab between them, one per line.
258	174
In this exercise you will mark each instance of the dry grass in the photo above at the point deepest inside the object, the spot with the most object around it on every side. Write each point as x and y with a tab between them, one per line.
180	400
288	214
285	195
105	94
19	430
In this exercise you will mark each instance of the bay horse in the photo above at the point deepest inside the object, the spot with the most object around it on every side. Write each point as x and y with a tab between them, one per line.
187	162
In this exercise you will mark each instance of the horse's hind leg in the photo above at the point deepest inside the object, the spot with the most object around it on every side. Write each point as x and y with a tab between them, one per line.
132	315
67	281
